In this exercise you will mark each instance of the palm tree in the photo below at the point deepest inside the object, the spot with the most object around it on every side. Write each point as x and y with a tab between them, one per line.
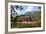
13	12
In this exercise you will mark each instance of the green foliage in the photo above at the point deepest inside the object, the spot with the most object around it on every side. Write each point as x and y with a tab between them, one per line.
36	17
14	24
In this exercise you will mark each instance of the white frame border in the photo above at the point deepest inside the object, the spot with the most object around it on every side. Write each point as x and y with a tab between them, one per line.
24	29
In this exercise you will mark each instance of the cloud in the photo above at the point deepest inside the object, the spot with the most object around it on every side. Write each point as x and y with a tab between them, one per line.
27	9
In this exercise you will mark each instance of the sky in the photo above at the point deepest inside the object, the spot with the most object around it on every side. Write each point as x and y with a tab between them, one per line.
26	9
